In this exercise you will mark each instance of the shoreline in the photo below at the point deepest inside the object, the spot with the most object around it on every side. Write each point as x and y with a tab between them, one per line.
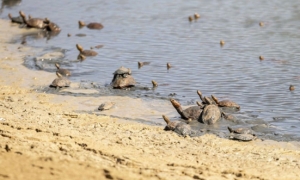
42	136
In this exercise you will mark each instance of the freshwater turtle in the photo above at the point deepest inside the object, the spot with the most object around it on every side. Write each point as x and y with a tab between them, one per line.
81	57
123	71
63	72
179	127
229	117
122	78
85	52
60	81
203	98
17	19
106	106
33	22
196	16
292	88
51	26
241	134
168	66
141	64
92	25
225	103
154	84
190	113
211	112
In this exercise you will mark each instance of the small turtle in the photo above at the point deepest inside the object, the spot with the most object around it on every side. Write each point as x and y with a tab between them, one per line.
106	106
81	57
168	66
18	19
179	127
141	64
63	72
92	25
121	82
154	84
51	26
211	112
60	81
225	103
85	52
241	134
229	117
33	22
190	18
292	88
196	16
203	98
191	113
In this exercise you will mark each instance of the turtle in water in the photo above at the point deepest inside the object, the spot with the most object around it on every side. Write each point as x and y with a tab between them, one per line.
33	22
63	72
122	78
168	66
17	19
211	112
51	26
60	81
92	25
141	64
241	134
179	127
203	98
106	106
85	52
191	113
229	117
225	103
154	84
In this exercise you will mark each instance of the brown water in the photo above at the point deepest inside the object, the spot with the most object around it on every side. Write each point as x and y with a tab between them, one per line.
159	32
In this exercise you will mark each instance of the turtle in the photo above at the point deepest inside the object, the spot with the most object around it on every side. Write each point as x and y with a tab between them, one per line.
92	25
17	19
203	98
33	22
81	57
190	18
122	71
106	106
60	81
154	84
225	103
179	127
196	16
85	52
63	72
211	112
122	78
191	113
241	134
168	66
51	26
141	64
292	88
229	117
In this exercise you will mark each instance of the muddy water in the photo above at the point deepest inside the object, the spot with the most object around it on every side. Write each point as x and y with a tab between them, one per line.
159	32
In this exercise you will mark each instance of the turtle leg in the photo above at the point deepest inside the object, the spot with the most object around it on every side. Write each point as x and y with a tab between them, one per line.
178	108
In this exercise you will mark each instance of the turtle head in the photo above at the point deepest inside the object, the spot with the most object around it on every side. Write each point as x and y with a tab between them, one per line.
58	74
207	100
200	95
57	65
22	14
81	23
80	48
9	15
175	103
154	83
140	64
81	57
167	120
215	99
168	65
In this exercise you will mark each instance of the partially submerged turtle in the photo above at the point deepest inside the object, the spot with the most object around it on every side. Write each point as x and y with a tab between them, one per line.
154	84
51	26
229	117
211	112
92	25
63	72
190	113
33	22
179	127
141	64
85	52
17	19
168	66
123	71
60	81
225	103
203	98
241	134
122	78
106	106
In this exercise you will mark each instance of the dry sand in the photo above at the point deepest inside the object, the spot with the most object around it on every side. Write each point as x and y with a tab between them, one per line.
42	137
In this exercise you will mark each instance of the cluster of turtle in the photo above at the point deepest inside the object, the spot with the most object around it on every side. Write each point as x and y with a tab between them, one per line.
208	112
39	23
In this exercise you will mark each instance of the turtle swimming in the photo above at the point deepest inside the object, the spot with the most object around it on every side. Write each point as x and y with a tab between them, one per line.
190	113
60	81
33	22
92	25
63	72
241	134
225	103
51	26
85	52
179	127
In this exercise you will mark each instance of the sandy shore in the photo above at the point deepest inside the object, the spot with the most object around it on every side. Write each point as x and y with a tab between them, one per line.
42	136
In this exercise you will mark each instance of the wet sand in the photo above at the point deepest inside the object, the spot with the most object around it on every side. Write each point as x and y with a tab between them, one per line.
44	137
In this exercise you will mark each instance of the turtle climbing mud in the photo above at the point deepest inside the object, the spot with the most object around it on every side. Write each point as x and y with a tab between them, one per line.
122	78
179	127
190	113
241	134
92	25
211	112
63	72
225	103
33	22
86	52
106	106
60	81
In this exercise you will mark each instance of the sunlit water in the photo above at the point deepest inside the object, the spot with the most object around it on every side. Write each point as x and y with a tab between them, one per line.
159	32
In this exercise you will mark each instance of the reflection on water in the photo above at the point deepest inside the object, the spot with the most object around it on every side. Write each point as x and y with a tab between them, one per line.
160	33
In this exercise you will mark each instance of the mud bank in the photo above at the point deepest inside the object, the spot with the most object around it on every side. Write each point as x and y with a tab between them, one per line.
43	136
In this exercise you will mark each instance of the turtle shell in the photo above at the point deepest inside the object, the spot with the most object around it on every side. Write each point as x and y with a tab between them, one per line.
241	131
193	112
36	23
228	103
53	27
89	53
122	70
122	82
211	114
183	129
60	82
242	137
94	25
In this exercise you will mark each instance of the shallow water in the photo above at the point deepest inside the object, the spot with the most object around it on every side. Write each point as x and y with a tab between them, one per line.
159	32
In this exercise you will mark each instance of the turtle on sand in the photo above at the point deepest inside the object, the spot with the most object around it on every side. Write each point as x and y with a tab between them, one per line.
241	134
60	81
190	113
106	106
179	127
